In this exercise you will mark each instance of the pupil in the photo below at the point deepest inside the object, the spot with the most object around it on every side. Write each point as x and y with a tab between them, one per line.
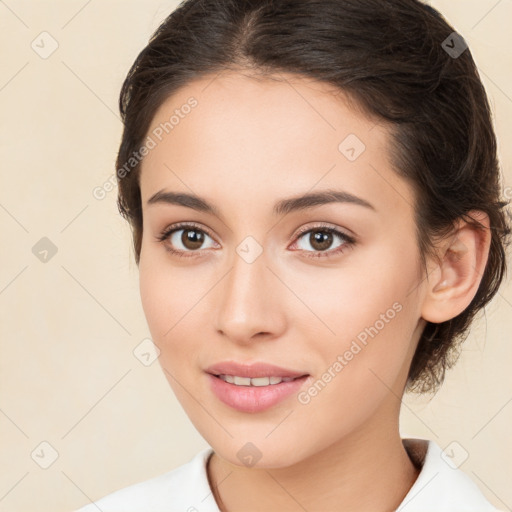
192	239
321	240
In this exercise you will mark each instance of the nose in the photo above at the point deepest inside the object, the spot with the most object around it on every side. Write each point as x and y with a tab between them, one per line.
249	302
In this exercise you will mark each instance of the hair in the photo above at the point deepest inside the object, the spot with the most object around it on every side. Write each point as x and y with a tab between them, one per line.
391	58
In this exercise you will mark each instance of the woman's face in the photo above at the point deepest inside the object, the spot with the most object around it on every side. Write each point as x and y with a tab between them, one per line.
260	280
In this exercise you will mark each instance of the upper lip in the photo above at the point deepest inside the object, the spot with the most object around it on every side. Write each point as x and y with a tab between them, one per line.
253	370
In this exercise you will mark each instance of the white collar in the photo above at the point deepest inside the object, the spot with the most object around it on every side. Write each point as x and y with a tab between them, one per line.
441	486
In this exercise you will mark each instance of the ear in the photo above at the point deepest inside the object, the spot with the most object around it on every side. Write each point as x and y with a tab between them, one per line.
455	278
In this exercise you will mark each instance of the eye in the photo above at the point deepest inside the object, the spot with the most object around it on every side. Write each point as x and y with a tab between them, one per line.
183	239
320	239
187	239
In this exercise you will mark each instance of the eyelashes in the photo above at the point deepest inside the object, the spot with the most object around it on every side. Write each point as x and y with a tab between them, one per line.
327	232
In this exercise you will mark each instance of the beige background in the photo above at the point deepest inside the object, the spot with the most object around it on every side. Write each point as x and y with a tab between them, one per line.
69	326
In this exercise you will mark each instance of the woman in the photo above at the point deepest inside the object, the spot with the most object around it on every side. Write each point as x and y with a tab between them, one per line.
314	195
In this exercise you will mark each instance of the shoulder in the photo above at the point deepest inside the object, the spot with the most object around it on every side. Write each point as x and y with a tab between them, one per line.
441	485
185	488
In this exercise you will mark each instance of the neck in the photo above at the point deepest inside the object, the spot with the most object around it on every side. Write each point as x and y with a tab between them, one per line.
368	470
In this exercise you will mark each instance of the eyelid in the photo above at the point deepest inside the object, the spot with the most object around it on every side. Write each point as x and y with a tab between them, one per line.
184	225
325	225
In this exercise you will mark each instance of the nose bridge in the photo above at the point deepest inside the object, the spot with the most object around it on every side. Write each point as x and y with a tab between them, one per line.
244	308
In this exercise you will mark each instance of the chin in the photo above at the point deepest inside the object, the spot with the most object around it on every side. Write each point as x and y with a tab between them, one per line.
259	455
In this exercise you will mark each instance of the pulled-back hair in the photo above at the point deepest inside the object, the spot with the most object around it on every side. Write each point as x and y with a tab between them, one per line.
399	61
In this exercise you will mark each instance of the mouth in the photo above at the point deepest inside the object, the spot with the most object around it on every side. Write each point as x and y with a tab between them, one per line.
255	388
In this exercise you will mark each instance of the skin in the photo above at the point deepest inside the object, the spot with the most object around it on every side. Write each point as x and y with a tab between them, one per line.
248	144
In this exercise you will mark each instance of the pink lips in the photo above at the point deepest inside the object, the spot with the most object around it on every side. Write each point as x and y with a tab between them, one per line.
253	399
252	370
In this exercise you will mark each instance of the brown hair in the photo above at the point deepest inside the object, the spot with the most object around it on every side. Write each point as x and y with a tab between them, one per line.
402	64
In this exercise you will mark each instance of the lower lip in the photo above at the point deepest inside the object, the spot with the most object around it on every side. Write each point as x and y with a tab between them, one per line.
254	398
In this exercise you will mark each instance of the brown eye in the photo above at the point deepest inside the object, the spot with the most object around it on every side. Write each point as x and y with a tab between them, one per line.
185	239
321	239
192	239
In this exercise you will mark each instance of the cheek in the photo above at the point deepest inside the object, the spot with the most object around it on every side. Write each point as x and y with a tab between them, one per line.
168	294
165	303
366	289
163	307
365	315
364	365
156	299
174	303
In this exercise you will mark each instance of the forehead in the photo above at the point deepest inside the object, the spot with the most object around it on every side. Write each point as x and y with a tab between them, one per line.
265	139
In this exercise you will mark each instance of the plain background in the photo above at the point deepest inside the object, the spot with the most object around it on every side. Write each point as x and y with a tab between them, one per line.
69	377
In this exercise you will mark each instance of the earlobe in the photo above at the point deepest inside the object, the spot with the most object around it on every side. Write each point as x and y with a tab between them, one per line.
454	281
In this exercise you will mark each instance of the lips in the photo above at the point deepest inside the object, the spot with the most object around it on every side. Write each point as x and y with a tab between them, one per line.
253	370
255	399
256	396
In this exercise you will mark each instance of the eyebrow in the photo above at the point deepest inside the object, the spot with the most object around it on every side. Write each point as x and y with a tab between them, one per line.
282	207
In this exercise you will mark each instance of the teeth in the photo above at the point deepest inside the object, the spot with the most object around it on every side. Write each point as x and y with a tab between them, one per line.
242	381
257	381
260	381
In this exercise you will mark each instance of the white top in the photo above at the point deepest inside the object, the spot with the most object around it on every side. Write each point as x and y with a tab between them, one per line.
440	487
